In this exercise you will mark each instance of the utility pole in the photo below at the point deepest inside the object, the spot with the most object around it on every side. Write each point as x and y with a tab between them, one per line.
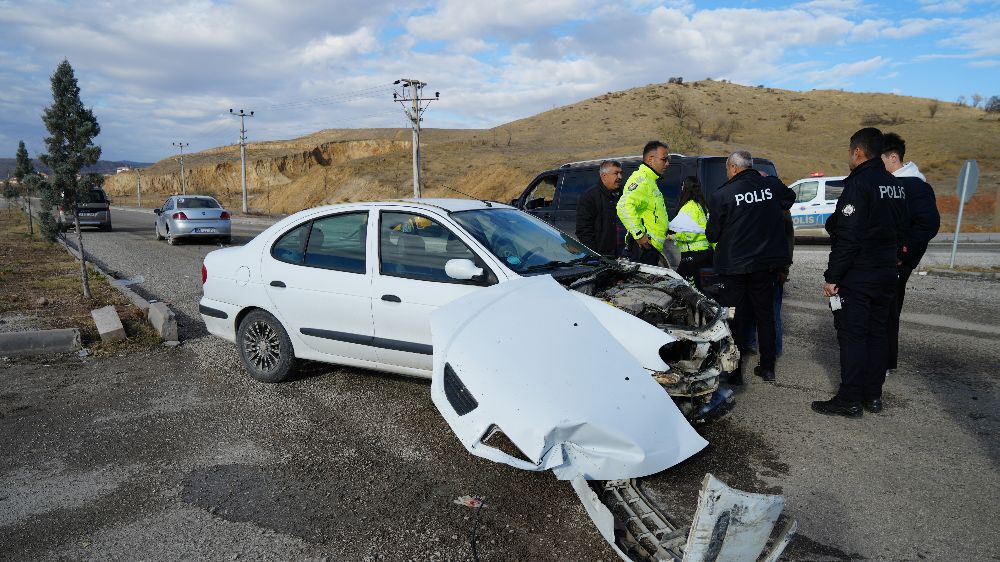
414	112
181	146
138	187
243	155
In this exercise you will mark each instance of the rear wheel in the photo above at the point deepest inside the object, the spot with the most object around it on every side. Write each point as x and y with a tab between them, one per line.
156	230
265	348
227	240
171	239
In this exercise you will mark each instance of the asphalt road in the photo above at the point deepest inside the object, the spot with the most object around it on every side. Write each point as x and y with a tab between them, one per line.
176	454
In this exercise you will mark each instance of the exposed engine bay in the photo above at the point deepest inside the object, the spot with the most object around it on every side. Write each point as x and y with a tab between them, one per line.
704	347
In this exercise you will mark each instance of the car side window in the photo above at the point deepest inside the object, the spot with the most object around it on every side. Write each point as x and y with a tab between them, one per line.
416	247
833	190
542	194
167	204
806	191
290	247
338	242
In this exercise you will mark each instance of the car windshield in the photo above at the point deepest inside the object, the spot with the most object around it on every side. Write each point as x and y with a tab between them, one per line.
524	243
196	203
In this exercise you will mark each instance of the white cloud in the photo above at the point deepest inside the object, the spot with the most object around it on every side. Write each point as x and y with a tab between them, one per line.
984	63
336	47
455	19
838	75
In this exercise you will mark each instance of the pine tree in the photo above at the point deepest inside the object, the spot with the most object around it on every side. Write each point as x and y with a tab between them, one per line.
70	147
24	171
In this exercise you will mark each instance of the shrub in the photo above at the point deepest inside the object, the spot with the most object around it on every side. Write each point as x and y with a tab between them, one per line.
992	105
791	121
932	108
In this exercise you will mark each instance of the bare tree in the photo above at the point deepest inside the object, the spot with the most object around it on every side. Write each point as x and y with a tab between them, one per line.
696	124
792	119
932	108
960	102
677	106
976	100
725	128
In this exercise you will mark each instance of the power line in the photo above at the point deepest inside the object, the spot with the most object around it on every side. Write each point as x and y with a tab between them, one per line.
374	91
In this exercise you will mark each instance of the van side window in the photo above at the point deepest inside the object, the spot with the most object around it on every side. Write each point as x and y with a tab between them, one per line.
542	194
573	186
806	191
833	190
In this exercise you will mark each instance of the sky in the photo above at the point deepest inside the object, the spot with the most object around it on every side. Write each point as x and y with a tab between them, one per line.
156	73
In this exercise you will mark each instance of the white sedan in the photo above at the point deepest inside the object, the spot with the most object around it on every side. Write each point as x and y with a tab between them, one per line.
356	284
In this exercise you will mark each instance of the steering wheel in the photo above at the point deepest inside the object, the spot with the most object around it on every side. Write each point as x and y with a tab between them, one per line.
531	253
505	249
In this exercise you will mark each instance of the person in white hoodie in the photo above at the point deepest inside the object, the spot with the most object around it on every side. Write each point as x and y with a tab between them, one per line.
925	220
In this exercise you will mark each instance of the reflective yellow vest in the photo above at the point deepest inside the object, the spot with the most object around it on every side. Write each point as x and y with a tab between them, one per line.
641	208
689	228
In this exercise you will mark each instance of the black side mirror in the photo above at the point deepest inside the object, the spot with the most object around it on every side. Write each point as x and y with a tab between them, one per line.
156	211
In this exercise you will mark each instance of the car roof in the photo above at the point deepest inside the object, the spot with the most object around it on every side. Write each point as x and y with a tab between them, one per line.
451	205
819	178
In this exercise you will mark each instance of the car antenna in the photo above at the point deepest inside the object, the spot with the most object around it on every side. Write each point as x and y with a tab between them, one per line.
483	201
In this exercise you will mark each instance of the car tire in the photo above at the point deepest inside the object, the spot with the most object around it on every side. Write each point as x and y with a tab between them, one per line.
227	240
171	239
107	227
264	347
156	231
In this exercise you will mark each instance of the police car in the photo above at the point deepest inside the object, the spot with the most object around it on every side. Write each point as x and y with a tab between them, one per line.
815	199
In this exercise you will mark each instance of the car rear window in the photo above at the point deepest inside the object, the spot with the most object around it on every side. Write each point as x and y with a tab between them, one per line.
197	203
94	196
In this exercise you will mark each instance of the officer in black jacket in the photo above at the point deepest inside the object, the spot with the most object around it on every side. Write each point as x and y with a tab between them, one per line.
867	232
746	221
925	220
597	223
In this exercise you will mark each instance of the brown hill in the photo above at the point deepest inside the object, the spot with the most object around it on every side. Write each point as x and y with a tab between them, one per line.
801	131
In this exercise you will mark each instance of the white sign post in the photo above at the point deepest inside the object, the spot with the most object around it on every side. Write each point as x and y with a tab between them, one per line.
968	179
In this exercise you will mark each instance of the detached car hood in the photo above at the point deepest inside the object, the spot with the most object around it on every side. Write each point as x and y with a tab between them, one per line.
528	360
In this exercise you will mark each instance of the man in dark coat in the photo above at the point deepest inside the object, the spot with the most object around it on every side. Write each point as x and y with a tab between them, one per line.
746	220
597	223
867	233
925	220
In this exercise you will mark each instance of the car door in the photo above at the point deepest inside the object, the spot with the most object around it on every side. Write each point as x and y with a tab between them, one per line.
161	219
317	276
571	187
830	192
807	206
540	198
410	283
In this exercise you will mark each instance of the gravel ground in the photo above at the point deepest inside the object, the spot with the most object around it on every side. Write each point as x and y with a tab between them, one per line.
177	454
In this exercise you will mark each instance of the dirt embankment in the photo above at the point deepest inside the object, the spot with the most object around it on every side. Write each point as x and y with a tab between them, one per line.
271	167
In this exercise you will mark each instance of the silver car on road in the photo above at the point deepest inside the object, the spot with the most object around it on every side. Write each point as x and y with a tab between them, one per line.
192	216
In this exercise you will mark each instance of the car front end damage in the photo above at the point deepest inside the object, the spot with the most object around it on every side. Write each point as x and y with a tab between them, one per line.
702	348
543	368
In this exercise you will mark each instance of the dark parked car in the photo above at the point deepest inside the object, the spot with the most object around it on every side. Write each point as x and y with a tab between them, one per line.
553	194
93	209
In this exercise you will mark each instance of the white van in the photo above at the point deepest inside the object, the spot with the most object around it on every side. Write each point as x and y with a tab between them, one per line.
815	200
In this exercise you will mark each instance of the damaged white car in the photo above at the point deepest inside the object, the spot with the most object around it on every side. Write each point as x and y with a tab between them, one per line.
355	285
542	354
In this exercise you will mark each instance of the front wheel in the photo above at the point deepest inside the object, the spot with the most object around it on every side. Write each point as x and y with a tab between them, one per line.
265	348
156	230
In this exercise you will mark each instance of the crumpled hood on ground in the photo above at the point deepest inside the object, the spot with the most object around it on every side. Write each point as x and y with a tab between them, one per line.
528	357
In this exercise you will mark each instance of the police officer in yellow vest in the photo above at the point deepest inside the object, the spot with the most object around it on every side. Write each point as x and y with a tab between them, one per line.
689	232
641	207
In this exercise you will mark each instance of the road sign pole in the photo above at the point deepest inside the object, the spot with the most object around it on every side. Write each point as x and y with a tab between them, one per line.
958	223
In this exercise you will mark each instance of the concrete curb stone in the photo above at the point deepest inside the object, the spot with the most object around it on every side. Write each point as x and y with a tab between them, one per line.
109	326
966	274
163	321
39	342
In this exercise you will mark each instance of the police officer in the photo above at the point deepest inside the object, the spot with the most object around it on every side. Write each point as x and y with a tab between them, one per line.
597	223
641	207
925	220
867	231
689	231
745	222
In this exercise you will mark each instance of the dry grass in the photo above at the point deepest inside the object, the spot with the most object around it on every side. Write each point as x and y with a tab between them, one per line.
33	268
333	165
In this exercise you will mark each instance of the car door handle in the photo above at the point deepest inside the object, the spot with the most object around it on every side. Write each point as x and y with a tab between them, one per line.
391	298
277	283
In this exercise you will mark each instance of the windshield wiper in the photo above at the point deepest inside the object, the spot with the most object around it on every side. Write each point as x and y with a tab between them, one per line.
570	263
